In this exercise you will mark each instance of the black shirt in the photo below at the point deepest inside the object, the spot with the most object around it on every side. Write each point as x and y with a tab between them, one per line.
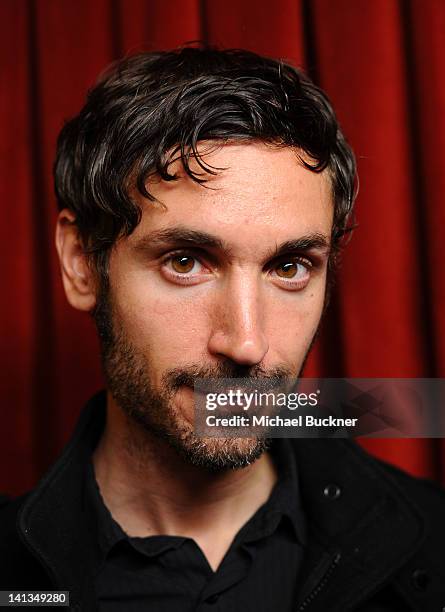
259	572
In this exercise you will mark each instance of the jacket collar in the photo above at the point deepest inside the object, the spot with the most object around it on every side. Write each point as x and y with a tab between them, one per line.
53	522
362	528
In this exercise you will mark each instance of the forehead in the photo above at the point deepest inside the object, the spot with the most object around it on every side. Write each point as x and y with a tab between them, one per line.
265	191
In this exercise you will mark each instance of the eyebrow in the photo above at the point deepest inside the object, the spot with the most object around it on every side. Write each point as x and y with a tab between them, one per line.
180	234
309	242
196	238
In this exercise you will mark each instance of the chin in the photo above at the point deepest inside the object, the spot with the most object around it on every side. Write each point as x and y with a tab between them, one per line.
220	454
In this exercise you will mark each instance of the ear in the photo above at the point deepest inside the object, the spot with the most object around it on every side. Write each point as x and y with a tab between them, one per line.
78	279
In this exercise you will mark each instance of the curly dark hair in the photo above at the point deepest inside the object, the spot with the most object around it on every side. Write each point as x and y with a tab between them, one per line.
149	108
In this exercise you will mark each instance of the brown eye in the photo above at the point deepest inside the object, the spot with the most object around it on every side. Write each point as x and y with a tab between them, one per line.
182	264
288	269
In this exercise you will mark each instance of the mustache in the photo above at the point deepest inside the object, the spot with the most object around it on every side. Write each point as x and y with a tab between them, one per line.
264	378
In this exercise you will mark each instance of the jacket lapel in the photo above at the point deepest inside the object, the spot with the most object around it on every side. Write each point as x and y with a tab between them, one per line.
361	525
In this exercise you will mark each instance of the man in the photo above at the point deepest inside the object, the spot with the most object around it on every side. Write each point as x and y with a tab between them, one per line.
203	195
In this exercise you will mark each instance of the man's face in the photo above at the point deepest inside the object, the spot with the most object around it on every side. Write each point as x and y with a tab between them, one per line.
225	280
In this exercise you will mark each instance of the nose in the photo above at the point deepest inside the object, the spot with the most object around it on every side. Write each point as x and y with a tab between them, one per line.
238	324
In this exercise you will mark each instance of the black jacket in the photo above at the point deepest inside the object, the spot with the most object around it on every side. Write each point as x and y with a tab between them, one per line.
376	535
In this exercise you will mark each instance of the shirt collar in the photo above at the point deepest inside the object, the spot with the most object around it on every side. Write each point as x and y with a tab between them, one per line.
105	529
284	504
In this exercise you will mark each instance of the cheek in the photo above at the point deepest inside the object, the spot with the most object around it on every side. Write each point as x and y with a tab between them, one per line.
169	327
292	323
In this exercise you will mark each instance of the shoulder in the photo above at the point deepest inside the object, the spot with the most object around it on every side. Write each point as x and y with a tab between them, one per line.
19	569
426	494
429	498
421	579
9	509
421	576
10	543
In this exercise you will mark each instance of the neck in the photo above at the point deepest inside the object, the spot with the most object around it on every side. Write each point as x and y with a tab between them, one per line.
150	490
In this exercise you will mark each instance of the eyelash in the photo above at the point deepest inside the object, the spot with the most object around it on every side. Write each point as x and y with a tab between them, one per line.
298	259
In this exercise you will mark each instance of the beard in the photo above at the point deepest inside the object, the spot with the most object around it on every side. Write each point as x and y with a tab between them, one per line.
154	412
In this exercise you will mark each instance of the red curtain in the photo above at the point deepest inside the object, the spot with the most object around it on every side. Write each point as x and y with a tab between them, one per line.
381	62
